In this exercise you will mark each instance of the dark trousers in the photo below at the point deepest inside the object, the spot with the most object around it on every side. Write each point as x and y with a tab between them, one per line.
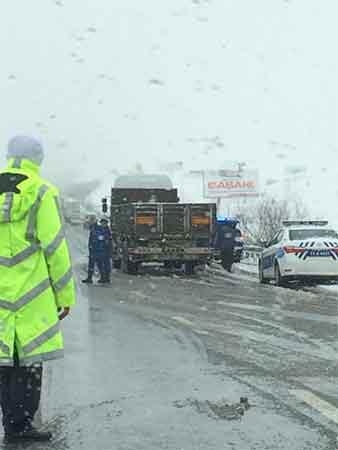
227	256
91	265
104	267
20	392
102	261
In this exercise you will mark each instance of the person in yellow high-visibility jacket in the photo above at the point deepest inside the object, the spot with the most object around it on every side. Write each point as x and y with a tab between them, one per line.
37	286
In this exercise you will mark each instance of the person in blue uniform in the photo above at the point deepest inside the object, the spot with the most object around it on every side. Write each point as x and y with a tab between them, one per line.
105	252
100	250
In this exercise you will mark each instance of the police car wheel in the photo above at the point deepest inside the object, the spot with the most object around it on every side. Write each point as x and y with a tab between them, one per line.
262	279
279	281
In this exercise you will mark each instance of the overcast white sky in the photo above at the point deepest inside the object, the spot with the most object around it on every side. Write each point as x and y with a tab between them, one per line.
108	82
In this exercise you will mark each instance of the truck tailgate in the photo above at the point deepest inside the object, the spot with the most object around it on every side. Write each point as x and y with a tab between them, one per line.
173	219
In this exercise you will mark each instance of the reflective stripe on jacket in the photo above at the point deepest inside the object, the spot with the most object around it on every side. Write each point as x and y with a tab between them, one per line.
35	267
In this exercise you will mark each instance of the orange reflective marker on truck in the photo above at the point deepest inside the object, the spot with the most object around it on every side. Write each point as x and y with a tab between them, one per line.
200	220
145	220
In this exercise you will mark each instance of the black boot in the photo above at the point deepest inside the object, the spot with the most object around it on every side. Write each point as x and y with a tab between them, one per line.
88	280
107	278
29	434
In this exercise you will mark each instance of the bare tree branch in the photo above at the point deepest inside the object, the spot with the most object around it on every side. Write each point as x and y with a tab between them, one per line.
263	220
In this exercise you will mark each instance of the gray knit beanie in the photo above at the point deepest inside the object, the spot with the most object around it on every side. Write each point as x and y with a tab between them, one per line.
25	147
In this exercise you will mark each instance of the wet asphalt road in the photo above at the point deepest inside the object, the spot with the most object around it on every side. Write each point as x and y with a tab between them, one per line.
152	360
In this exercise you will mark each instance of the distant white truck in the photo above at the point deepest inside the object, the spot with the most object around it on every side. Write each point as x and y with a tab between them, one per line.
72	211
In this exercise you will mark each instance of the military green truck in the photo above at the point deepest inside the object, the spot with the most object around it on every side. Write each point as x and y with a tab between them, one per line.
149	225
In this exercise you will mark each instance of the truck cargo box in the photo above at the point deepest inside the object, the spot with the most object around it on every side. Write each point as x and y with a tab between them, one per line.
168	220
151	226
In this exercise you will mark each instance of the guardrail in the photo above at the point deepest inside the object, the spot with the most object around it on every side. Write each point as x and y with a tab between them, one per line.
251	254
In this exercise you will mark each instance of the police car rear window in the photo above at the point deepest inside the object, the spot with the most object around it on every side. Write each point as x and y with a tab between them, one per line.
298	235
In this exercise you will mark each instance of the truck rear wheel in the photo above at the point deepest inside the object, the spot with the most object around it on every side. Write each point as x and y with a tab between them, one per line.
117	263
133	268
129	266
189	268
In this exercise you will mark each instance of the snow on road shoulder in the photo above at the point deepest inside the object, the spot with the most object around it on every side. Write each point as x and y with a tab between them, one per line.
251	269
333	289
239	272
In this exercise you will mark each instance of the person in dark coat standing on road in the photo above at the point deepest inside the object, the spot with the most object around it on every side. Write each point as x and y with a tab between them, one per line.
225	240
105	252
100	251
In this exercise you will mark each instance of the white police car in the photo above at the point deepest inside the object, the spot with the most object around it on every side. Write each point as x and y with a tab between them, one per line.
303	251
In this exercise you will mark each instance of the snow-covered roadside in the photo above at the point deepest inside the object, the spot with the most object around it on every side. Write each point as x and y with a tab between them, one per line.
250	269
333	289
